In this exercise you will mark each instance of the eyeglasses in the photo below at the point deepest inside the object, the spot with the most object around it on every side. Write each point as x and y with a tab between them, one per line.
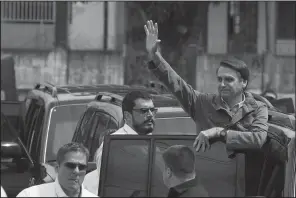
145	111
73	166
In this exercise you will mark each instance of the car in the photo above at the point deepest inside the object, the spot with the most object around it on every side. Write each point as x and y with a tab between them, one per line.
127	172
50	115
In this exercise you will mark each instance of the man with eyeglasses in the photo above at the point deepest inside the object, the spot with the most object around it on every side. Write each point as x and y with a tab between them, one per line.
139	117
72	161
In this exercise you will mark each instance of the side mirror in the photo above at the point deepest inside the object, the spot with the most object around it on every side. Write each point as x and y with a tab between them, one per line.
11	150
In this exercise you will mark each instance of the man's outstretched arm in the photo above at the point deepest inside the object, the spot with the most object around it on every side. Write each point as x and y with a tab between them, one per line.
189	98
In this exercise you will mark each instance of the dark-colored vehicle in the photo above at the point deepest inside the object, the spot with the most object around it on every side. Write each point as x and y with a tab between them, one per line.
129	171
50	118
15	159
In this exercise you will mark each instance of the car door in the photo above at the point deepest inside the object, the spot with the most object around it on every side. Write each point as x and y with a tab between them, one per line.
134	165
13	177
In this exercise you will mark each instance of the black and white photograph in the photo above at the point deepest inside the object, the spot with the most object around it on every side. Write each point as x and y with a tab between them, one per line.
148	99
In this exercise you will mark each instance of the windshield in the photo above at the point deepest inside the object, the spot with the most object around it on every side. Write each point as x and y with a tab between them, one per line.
62	126
175	126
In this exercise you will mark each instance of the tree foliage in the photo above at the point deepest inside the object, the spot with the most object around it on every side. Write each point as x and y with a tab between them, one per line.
180	24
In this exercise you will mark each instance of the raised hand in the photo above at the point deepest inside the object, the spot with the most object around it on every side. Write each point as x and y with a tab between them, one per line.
152	40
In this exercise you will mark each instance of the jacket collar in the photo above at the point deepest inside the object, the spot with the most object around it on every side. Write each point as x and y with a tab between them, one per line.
249	104
186	185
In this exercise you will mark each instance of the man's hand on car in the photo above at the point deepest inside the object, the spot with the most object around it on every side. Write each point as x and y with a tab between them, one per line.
152	40
202	140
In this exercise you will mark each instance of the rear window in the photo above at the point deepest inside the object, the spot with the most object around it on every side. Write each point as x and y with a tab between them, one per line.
62	126
175	126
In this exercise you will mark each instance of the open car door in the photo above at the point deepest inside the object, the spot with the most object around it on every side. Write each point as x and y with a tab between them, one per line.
133	167
15	159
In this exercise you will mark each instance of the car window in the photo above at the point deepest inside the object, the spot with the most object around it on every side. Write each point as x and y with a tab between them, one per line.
62	125
35	141
215	171
29	120
175	126
126	170
217	174
101	122
80	129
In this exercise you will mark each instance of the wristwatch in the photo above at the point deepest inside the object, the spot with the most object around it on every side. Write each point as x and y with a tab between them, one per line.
223	133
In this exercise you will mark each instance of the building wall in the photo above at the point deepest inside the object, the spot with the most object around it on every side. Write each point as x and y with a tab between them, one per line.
85	68
27	36
36	60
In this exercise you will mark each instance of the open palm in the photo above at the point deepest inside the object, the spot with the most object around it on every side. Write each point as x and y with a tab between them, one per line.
152	40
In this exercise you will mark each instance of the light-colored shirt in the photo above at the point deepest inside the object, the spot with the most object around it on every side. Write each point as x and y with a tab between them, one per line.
52	189
3	193
236	107
91	180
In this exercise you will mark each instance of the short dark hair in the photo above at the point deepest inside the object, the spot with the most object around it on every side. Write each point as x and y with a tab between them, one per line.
128	102
180	159
237	65
71	147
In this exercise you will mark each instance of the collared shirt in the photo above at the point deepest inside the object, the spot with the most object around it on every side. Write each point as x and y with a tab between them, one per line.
189	188
236	107
52	189
3	193
91	180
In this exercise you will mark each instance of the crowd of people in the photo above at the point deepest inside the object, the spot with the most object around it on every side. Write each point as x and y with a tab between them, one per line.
212	112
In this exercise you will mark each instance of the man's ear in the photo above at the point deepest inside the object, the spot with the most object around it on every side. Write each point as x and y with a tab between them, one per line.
56	167
245	83
127	116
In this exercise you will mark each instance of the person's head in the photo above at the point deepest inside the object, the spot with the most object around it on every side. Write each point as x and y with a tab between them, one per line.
72	161
139	111
233	77
179	161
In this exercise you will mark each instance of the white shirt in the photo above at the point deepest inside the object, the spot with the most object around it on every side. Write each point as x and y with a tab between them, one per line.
91	180
52	189
3	193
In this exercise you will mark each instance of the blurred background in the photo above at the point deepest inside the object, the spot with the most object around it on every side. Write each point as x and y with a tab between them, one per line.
103	42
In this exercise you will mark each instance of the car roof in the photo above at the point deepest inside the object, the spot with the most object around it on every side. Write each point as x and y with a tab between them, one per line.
167	105
76	94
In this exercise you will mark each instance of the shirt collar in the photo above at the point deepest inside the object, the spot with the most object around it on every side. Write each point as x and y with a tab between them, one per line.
58	189
238	105
181	188
129	130
60	192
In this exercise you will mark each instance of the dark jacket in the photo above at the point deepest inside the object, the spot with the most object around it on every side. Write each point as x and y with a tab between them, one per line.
190	188
208	111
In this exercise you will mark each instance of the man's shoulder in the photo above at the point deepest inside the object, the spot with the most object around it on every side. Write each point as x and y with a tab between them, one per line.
87	193
252	102
36	190
119	131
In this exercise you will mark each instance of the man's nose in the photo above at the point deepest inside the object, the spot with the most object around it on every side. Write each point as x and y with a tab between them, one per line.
76	169
150	113
222	84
